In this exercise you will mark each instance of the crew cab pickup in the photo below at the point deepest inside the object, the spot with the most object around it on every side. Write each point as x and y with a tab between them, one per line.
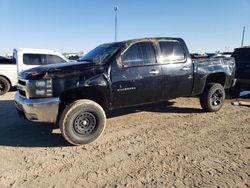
23	59
118	75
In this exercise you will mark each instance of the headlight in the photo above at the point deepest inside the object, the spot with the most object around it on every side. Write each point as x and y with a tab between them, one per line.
40	84
40	92
44	88
40	88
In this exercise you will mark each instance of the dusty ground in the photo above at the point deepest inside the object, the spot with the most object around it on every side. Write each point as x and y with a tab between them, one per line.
174	144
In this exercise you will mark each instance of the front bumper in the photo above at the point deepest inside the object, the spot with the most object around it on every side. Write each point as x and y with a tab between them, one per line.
39	110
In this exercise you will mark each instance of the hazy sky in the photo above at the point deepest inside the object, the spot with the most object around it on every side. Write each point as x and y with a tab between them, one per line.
80	25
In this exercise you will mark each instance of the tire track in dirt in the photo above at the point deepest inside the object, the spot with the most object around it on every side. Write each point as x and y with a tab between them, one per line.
160	148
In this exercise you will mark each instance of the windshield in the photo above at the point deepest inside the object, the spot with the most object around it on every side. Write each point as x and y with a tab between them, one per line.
102	53
242	54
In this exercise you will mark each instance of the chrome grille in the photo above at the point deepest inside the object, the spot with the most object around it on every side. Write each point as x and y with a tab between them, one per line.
22	93
22	88
22	82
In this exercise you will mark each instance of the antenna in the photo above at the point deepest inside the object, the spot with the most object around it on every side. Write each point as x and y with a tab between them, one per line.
116	8
243	35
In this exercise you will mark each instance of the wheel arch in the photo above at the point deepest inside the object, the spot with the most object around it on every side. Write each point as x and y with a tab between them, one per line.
96	94
219	78
7	79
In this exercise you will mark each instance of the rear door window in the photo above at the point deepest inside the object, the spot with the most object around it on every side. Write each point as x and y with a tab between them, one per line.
141	53
34	59
171	51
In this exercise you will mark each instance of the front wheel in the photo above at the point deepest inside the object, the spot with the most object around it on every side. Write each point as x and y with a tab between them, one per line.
82	122
212	98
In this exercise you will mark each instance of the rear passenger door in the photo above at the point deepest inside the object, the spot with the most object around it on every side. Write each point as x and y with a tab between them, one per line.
135	75
177	69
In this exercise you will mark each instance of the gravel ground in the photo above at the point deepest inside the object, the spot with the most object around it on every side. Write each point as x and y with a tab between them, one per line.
174	144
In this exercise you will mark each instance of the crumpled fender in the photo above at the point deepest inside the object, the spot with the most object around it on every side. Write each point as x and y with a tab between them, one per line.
98	80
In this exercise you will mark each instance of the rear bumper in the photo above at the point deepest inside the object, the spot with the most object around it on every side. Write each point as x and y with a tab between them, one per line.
39	110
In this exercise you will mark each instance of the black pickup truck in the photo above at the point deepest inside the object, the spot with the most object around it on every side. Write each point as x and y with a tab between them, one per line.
117	75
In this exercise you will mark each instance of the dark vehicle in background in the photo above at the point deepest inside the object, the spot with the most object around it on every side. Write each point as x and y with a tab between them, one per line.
118	75
1	57
242	75
4	60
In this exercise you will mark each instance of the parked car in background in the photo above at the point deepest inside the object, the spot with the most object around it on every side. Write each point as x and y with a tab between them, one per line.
72	56
242	61
209	55
6	74
222	55
24	59
198	56
118	75
1	57
227	54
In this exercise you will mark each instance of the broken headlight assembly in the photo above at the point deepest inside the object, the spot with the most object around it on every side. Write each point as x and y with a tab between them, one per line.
40	88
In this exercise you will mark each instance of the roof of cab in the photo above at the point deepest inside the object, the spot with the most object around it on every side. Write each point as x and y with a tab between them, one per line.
35	50
152	38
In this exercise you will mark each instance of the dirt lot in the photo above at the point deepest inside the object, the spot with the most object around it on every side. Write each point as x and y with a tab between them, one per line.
172	144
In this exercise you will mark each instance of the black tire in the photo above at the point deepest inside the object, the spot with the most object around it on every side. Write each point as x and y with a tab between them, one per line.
82	122
212	98
4	85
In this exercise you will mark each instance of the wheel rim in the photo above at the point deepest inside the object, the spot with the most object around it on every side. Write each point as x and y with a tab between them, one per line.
85	123
2	87
217	98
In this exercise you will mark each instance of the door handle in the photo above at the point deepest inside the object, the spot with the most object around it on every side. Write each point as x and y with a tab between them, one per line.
154	72
185	68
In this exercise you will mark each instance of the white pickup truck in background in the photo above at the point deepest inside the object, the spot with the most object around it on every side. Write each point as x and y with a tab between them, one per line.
24	59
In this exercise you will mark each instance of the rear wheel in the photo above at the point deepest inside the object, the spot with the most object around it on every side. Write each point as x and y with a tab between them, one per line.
4	85
212	99
82	122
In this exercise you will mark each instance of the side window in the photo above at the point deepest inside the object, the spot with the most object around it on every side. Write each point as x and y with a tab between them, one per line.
54	59
171	52
139	54
34	59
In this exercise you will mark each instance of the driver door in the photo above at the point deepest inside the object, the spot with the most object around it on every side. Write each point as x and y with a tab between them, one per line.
136	80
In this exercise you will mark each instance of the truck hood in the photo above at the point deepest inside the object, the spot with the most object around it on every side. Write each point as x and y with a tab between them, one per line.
58	70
